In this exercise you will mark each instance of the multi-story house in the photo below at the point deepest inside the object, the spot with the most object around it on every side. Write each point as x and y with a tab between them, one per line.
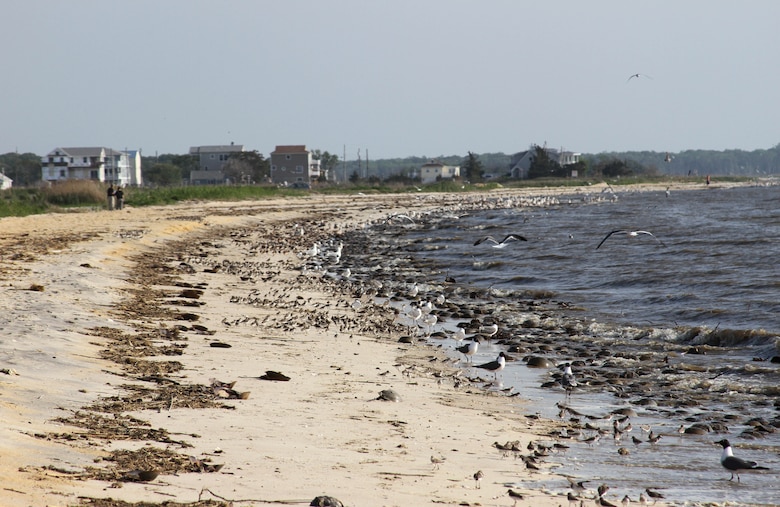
434	170
211	161
293	165
521	162
98	164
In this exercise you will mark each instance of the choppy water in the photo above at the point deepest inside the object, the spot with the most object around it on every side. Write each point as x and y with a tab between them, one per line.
711	281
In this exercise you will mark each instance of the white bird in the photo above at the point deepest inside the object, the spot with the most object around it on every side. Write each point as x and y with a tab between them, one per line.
459	335
503	242
630	234
489	331
733	464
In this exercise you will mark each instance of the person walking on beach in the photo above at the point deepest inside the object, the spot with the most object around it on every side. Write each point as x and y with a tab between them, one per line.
111	195
120	197
708	180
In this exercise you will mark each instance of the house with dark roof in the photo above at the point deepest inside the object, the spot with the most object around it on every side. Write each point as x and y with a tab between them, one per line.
293	164
521	161
92	163
211	161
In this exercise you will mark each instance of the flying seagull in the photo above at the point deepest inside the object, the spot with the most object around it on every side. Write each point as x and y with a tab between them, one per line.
637	75
733	464
503	242
628	233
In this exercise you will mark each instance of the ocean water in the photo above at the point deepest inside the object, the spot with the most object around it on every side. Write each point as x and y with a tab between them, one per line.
687	319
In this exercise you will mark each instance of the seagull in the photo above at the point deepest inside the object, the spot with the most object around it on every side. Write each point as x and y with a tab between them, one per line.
494	366
637	75
733	464
503	242
630	234
469	349
568	382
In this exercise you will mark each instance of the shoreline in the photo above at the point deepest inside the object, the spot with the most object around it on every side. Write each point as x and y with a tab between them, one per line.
287	441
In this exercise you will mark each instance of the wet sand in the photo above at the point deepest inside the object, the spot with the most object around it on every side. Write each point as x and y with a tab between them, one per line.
109	364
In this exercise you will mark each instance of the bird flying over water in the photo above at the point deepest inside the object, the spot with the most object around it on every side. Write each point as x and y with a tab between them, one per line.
628	233
503	242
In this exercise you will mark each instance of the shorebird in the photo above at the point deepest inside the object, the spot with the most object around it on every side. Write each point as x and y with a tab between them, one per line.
503	242
733	464
478	475
655	495
637	75
494	366
468	349
630	234
514	495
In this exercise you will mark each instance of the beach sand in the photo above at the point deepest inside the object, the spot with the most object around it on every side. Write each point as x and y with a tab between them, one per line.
108	323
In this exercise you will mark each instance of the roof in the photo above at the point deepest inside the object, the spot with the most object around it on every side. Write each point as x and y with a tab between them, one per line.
291	148
217	148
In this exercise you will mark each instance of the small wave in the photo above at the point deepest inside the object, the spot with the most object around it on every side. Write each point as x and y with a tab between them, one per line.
727	337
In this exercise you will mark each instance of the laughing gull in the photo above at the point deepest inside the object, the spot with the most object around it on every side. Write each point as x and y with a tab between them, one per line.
494	366
503	242
468	349
630	234
733	464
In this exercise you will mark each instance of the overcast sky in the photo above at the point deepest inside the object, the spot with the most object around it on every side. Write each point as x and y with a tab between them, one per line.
395	78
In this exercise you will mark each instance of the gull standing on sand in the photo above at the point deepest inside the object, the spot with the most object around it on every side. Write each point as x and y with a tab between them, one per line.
503	242
629	234
733	464
469	349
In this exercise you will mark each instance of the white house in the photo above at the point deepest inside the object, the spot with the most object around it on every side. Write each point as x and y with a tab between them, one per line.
97	164
521	162
5	182
433	170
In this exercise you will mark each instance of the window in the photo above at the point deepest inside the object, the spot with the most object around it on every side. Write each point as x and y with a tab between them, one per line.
273	168
211	156
84	159
62	173
71	160
298	168
288	157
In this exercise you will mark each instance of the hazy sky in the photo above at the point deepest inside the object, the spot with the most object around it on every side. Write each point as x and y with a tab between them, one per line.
396	78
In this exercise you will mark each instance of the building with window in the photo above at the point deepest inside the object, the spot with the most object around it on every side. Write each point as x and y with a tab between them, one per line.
211	161
433	170
97	164
293	165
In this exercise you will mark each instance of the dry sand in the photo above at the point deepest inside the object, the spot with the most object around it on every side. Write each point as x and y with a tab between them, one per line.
105	372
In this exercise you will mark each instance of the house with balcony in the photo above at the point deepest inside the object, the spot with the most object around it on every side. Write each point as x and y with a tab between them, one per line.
433	171
211	161
521	162
101	164
293	165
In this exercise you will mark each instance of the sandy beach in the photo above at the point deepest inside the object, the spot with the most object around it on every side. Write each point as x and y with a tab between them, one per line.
135	341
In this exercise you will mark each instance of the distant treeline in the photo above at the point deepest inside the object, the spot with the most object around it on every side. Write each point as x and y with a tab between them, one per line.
25	169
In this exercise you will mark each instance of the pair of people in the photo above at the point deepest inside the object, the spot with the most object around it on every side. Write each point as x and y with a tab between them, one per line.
116	198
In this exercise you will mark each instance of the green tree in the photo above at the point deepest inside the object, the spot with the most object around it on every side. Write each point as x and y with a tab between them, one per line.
542	166
472	167
328	161
163	175
247	167
24	169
